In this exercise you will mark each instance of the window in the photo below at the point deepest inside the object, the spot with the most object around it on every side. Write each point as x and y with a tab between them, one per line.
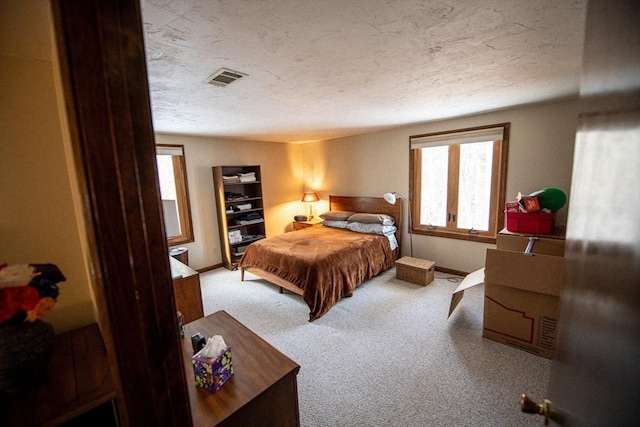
458	182
172	175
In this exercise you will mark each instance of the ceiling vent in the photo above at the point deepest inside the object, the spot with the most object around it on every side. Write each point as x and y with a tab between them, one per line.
224	77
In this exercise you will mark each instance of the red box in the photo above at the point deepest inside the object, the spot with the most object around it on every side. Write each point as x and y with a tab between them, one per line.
530	203
512	206
530	223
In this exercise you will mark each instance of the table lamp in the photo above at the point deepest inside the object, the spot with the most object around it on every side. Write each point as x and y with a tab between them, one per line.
310	196
391	199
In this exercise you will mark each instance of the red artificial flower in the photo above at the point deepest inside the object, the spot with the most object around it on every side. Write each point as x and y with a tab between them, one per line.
17	298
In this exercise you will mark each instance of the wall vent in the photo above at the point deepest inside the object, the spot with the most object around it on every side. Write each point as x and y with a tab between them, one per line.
224	77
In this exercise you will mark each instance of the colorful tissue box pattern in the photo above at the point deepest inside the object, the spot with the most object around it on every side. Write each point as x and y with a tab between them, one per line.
212	374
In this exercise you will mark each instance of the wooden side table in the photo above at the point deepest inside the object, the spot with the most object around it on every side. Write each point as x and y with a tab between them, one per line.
78	380
181	254
187	291
263	389
299	225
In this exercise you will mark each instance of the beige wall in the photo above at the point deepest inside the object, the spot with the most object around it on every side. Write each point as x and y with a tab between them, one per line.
281	186
38	221
540	155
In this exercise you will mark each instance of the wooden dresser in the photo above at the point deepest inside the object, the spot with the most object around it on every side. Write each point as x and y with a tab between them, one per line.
263	389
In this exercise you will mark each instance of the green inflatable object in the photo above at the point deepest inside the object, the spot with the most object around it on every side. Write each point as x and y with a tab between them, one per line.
550	198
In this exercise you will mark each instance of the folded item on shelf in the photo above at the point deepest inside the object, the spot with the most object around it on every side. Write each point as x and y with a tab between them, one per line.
229	195
242	207
240	250
235	236
252	236
251	215
231	179
248	221
250	218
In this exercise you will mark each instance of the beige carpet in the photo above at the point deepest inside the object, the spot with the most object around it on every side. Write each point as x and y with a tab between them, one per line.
388	356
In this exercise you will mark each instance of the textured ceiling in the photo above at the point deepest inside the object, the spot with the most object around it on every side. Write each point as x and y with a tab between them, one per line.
323	69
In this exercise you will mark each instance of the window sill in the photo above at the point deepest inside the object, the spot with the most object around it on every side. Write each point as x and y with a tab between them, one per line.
481	238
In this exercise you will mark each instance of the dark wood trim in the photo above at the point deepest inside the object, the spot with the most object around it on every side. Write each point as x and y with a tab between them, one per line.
209	268
451	271
502	177
106	93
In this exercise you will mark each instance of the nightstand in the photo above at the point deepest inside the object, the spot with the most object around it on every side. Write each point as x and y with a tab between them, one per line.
299	225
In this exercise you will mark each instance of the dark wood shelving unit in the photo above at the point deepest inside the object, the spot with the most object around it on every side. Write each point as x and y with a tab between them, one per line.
232	209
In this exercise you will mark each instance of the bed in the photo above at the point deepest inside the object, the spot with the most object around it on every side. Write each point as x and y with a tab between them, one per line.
325	264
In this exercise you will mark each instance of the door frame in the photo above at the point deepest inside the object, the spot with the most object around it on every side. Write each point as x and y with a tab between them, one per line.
104	77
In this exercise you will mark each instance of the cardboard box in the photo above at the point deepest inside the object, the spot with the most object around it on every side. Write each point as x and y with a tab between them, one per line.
415	270
551	244
521	294
212	374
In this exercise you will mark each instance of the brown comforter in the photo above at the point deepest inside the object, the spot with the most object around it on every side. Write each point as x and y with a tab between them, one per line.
326	263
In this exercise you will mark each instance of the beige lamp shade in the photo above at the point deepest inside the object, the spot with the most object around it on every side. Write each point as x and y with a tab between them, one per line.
310	196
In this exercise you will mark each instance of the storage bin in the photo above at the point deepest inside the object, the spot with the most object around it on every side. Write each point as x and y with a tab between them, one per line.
530	223
415	270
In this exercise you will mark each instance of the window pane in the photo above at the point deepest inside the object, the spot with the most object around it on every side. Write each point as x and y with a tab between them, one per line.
474	185
166	178
435	164
168	195
174	192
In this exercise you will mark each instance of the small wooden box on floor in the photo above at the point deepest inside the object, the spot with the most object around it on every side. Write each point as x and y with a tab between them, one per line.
415	270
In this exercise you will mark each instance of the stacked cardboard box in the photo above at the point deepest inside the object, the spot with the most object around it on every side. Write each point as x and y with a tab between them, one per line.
523	278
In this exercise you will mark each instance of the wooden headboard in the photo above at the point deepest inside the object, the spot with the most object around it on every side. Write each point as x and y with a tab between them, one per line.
370	205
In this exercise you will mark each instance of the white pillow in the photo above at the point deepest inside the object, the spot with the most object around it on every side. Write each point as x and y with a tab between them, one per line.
369	218
361	227
336	215
335	224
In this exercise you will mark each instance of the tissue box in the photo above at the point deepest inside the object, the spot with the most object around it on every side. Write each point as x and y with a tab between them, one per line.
212	374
